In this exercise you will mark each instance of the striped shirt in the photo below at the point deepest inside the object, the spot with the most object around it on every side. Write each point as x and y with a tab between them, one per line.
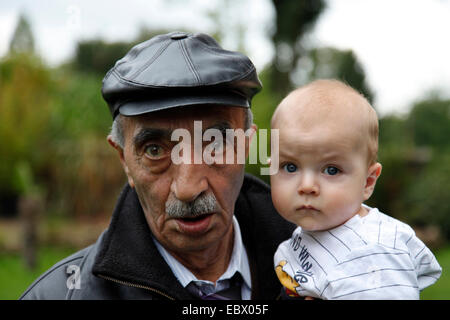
238	263
370	257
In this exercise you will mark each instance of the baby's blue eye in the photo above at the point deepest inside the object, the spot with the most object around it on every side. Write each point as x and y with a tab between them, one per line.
290	167
331	170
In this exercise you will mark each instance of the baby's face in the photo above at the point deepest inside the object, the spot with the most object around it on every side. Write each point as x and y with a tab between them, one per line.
323	169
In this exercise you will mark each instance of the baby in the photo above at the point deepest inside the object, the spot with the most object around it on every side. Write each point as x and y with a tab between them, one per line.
341	249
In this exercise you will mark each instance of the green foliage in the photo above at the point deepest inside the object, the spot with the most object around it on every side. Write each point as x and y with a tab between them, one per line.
53	137
415	182
263	106
293	20
22	40
332	63
83	166
98	56
395	151
79	107
429	120
428	197
395	178
25	103
394	132
15	277
441	289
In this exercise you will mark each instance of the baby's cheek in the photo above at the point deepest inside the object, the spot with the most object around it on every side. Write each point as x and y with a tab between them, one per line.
342	206
280	198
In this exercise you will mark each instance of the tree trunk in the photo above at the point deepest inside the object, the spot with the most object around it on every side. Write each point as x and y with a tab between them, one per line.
30	208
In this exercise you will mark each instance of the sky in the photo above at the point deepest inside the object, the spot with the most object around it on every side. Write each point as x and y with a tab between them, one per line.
402	45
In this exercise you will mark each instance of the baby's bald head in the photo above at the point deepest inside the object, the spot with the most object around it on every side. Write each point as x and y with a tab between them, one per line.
333	104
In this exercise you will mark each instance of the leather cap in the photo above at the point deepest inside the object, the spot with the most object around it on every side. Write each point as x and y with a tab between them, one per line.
179	69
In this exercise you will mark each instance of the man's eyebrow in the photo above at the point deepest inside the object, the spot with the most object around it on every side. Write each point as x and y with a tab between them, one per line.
147	134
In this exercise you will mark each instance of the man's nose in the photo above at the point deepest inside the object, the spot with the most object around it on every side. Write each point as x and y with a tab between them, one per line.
308	184
189	182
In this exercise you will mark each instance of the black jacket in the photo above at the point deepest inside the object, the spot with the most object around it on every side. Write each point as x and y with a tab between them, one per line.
125	264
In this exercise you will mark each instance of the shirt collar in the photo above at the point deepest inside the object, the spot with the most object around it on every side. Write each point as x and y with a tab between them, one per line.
238	262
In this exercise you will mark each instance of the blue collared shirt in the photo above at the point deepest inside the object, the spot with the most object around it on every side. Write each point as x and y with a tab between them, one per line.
238	263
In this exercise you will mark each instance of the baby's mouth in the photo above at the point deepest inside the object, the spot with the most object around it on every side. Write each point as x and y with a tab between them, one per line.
307	207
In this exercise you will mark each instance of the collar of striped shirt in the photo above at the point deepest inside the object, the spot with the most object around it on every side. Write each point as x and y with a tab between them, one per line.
238	263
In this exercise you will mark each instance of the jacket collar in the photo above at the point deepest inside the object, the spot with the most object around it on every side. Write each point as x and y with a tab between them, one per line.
128	254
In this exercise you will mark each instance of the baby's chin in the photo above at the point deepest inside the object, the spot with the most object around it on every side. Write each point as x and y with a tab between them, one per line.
308	224
312	225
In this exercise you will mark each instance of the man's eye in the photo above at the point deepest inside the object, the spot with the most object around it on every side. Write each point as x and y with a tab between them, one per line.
290	167
154	151
331	170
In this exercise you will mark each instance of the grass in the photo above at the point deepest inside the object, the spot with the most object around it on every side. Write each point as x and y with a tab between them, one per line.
15	278
441	289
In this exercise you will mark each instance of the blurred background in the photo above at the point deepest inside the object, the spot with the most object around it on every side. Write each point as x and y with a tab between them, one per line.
59	179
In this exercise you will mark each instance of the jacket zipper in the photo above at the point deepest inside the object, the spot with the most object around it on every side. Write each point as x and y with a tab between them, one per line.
136	286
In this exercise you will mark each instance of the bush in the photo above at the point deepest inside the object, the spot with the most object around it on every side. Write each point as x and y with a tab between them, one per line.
25	103
428	197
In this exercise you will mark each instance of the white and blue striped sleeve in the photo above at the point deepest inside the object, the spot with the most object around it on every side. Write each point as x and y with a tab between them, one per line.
427	267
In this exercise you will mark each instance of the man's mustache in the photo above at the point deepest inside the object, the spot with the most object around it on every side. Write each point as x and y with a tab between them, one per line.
203	204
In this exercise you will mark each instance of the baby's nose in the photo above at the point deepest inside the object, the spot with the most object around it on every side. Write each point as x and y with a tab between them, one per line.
308	185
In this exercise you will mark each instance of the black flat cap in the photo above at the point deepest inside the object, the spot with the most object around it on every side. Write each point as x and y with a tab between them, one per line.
179	69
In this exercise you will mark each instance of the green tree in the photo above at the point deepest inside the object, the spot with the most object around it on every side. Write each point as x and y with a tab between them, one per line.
394	132
24	105
294	18
427	196
429	120
263	105
22	40
332	63
98	56
414	151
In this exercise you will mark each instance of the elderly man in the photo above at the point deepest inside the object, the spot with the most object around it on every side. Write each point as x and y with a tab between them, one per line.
181	229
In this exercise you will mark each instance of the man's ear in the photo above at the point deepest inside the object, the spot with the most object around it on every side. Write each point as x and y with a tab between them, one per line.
373	173
122	159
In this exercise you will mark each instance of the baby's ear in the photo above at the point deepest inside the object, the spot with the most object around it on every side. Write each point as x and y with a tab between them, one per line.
373	173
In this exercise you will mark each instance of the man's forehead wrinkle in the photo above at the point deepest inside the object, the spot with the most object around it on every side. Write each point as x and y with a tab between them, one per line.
220	125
